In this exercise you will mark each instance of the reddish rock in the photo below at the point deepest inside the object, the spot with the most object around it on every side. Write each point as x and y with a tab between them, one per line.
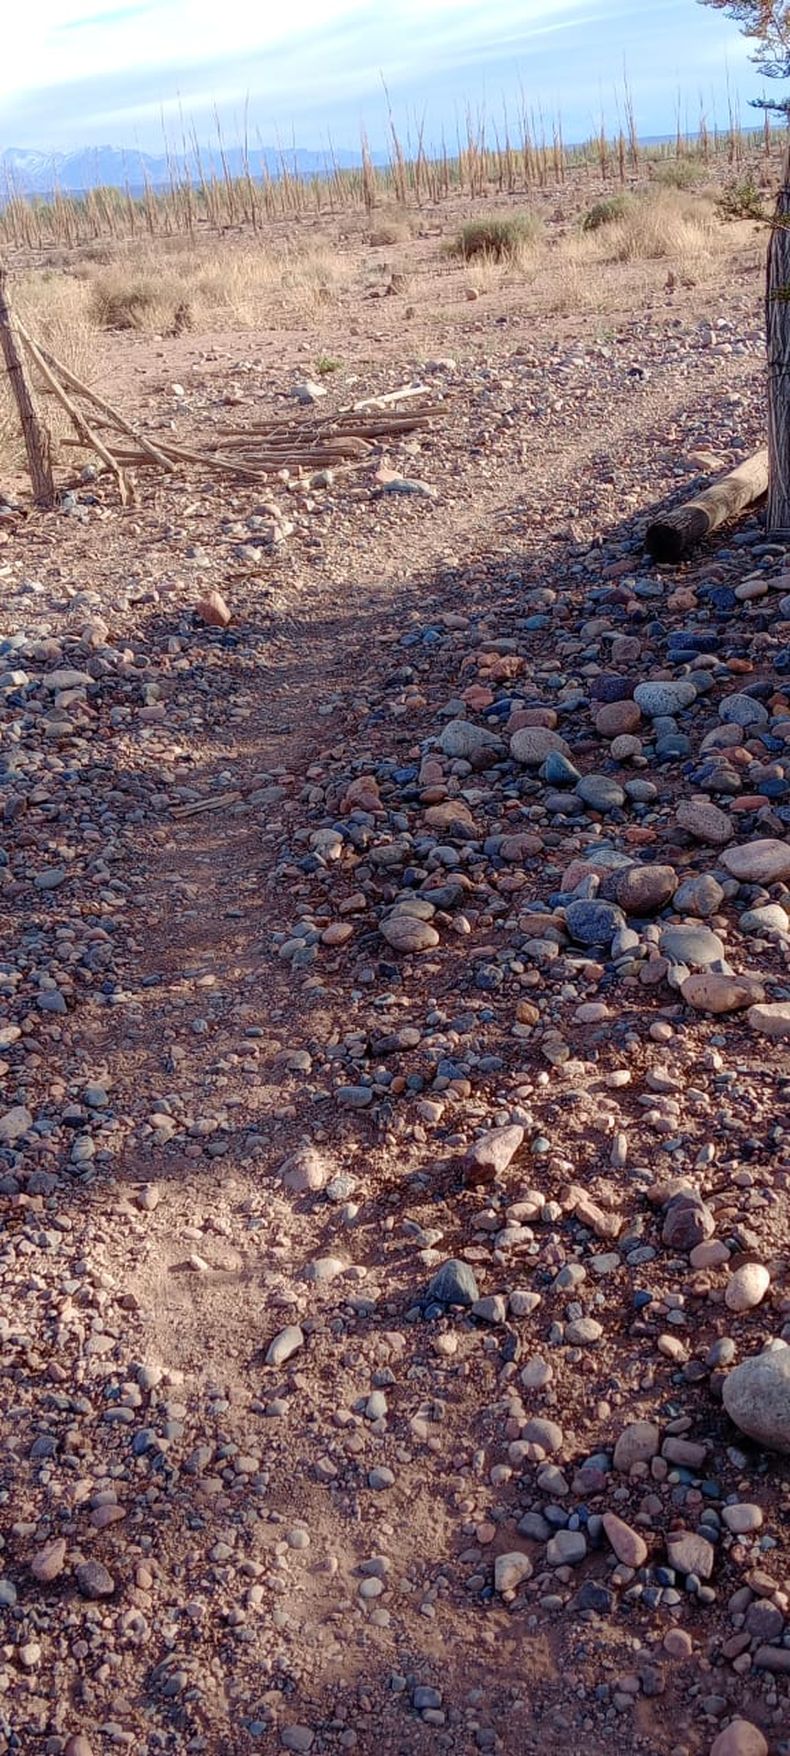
617	717
213	610
629	1547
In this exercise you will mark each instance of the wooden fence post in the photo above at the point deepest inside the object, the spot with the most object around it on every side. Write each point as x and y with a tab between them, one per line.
35	435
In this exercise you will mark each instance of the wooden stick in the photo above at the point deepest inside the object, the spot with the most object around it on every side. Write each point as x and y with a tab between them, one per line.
377	402
669	538
114	418
220	803
78	420
37	440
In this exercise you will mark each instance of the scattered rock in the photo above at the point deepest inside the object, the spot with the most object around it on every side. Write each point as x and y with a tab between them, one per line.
757	1397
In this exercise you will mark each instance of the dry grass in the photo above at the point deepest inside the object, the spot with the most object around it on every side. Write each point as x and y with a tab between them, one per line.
507	238
196	288
667	226
51	307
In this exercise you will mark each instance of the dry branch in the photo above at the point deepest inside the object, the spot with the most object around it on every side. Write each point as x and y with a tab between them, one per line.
78	420
114	418
35	435
670	538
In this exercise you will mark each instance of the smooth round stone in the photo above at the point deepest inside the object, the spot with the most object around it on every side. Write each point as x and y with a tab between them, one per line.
545	1433
756	1395
740	1738
461	737
769	918
742	1519
405	932
638	1443
747	1287
643	792
617	718
705	821
531	745
558	771
742	710
592	922
454	1284
601	792
701	896
690	944
623	749
644	889
709	992
664	698
766	861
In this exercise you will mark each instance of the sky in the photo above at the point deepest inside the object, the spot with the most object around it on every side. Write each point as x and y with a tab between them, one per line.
89	72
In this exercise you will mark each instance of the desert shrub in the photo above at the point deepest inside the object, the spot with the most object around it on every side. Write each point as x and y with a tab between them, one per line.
501	238
606	212
116	303
678	173
665	225
741	199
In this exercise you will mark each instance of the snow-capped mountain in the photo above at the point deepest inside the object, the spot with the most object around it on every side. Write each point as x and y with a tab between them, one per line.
25	172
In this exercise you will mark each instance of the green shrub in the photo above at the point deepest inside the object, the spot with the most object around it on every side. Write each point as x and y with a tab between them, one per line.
741	200
678	173
606	212
499	239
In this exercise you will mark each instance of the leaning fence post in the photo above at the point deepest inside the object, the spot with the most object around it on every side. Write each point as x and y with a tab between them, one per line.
34	433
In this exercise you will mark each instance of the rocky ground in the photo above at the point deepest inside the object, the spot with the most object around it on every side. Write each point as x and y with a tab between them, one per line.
394	1145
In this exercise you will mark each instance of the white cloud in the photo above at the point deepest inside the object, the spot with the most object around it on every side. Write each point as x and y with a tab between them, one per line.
58	42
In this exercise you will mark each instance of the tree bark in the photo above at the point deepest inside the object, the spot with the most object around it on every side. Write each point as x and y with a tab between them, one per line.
777	327
670	538
35	435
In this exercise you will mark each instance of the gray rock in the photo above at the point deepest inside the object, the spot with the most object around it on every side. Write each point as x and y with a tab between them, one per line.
461	737
558	771
533	744
701	896
454	1284
690	1553
743	710
593	923
566	1549
757	1398
697	946
601	792
14	1124
660	698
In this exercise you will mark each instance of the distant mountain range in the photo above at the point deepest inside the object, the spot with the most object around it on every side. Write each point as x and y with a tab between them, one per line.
24	172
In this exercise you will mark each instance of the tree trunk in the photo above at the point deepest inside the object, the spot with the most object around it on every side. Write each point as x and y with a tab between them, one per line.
36	437
777	321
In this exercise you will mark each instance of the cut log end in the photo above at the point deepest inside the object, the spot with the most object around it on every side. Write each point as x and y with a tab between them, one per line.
669	538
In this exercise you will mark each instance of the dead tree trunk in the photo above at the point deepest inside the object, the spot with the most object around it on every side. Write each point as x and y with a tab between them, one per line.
777	321
36	437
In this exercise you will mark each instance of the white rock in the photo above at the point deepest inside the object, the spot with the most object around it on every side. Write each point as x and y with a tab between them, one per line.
747	1287
510	1570
285	1345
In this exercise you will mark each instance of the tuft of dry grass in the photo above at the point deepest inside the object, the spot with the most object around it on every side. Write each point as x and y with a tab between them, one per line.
664	226
51	306
195	288
498	238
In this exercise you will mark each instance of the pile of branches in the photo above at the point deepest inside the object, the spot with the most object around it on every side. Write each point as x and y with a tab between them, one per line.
261	449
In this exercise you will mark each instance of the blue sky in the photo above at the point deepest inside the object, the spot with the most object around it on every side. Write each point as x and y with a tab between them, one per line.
87	72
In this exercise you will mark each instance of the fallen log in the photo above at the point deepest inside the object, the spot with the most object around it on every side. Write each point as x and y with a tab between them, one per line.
670	538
